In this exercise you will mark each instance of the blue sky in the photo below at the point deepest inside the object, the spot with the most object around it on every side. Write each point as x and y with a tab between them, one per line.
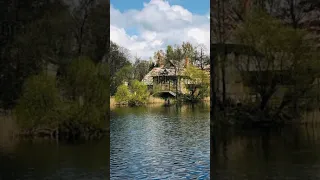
145	26
194	6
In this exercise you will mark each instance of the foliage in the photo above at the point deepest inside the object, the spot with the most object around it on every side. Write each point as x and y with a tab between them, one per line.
77	105
39	102
135	95
123	94
47	32
118	59
198	83
141	68
285	51
140	93
78	78
88	85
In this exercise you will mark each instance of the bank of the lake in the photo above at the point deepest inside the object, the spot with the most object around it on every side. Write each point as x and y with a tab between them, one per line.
160	142
152	101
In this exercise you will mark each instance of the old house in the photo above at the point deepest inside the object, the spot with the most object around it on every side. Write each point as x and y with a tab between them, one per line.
242	74
169	78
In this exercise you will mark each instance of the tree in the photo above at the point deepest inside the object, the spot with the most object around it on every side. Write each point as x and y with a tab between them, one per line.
123	94
99	31
223	23
125	74
85	89
141	68
198	83
288	58
118	59
169	53
38	104
25	49
140	93
188	51
200	58
135	95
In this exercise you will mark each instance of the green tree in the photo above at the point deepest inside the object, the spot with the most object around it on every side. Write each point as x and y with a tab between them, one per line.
198	83
188	51
38	106
169	53
119	64
86	88
135	95
141	68
78	76
140	93
125	74
123	94
288	58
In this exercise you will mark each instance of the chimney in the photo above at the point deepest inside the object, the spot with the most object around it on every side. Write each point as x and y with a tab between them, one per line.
161	62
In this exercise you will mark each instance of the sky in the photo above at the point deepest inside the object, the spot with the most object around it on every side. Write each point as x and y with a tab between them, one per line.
145	26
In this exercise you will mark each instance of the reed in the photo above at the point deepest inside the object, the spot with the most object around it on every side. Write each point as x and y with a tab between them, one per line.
151	100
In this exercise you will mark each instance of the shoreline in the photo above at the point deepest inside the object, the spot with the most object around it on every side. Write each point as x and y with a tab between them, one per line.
151	101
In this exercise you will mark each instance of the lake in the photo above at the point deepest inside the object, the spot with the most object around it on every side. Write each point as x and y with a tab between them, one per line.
290	153
160	142
49	160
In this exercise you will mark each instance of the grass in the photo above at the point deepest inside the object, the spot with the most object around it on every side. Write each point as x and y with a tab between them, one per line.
8	128
151	100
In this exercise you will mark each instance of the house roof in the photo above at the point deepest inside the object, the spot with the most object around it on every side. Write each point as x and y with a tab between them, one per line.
168	70
219	48
148	79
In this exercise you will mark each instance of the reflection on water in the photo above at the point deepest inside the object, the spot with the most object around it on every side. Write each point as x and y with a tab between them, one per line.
287	153
160	143
44	159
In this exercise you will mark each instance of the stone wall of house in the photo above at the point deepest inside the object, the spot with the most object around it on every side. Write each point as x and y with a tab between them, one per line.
235	88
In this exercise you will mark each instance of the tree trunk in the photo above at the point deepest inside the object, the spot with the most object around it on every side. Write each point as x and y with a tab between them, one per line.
293	15
223	70
264	100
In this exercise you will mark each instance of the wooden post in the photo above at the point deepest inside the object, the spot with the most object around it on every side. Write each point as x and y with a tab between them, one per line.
175	71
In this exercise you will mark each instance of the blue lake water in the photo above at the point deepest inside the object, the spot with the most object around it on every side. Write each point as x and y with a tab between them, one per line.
160	143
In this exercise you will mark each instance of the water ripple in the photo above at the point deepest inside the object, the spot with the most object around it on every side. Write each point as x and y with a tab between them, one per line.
160	144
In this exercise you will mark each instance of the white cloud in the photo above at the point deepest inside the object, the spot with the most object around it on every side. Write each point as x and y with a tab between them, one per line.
159	24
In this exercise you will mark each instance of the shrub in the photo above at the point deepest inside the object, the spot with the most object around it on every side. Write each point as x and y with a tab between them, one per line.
136	95
85	88
140	93
88	86
39	103
123	94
